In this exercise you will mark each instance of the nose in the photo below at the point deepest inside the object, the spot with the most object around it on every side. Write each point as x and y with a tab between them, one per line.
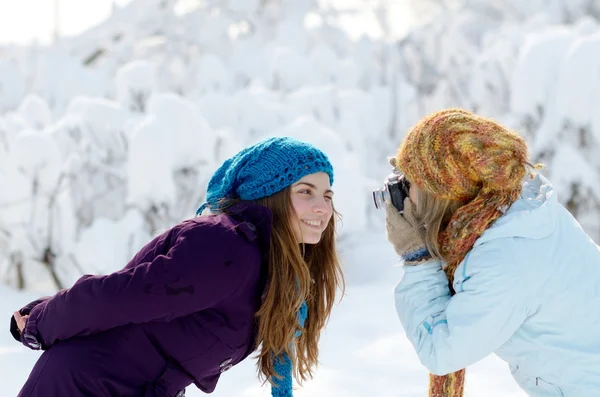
321	206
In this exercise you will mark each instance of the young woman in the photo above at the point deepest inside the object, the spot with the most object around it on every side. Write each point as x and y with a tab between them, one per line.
260	272
493	262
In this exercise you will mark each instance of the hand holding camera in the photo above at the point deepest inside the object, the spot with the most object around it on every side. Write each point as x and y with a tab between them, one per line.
395	190
401	224
403	233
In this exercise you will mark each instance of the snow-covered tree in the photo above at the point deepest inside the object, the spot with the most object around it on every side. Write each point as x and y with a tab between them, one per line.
109	137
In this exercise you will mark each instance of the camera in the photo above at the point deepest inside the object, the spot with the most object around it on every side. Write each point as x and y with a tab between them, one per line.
395	189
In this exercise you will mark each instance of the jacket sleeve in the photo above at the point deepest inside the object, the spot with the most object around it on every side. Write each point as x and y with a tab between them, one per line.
450	333
25	310
193	275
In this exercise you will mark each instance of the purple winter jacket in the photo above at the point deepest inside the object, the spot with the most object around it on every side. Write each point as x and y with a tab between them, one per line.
181	312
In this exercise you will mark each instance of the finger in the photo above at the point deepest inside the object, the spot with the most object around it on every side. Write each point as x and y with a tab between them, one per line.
391	211
389	229
396	218
23	321
409	212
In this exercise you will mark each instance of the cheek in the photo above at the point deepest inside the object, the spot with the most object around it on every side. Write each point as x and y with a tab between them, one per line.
329	211
412	193
299	206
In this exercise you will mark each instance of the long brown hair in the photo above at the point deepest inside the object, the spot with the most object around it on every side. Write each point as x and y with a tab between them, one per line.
297	273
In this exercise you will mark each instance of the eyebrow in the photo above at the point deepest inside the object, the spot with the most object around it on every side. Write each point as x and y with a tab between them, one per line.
312	186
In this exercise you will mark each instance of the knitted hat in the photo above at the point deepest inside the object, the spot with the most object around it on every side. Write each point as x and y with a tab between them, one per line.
264	169
455	154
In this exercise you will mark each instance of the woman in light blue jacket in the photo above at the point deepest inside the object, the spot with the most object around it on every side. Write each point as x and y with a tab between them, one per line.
493	262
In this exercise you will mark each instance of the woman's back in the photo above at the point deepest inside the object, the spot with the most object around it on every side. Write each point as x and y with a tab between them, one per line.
220	297
554	267
211	341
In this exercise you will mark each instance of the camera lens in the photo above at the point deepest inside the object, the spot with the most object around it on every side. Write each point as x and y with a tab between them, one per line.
380	196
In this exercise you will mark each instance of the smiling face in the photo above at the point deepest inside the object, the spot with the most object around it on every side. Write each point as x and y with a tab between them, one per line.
311	198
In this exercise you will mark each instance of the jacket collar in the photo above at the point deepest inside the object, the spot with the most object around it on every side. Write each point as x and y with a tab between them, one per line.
260	217
532	215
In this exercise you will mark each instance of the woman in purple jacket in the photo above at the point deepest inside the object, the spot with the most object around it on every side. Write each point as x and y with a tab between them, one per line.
259	272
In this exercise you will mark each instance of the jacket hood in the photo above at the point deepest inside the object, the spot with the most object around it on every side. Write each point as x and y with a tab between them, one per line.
530	216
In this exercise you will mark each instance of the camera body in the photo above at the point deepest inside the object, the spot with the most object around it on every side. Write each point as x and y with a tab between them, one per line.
395	189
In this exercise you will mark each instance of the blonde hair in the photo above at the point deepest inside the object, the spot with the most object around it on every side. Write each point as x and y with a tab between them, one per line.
434	213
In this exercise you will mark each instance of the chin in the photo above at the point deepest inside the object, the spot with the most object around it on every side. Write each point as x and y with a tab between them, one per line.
311	239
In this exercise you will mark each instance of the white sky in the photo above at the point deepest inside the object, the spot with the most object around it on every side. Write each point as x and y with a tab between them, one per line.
22	21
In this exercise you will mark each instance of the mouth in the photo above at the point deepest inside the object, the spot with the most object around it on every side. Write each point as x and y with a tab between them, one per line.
313	224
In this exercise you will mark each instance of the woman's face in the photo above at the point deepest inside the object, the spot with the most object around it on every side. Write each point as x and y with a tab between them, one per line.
311	200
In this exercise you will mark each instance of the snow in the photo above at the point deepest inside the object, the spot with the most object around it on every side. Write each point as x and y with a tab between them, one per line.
317	101
218	109
111	241
13	123
578	80
37	157
258	111
36	111
108	137
243	6
247	63
101	123
289	69
151	163
59	77
325	63
12	84
539	62
184	125
570	167
15	191
212	75
135	83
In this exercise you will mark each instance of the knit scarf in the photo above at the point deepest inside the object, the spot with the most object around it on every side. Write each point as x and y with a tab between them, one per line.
282	387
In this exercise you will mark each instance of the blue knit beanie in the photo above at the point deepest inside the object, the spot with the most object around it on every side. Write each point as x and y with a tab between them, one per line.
264	169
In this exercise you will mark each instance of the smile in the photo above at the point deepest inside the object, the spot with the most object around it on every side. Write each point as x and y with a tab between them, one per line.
313	224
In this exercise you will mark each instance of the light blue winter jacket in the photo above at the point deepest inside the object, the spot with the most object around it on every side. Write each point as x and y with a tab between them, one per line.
529	291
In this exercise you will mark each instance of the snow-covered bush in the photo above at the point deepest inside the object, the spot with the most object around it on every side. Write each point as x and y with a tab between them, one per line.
109	137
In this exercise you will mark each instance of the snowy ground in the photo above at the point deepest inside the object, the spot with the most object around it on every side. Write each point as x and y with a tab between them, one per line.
363	352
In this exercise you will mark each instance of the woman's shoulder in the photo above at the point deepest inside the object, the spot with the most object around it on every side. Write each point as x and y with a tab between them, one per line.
217	228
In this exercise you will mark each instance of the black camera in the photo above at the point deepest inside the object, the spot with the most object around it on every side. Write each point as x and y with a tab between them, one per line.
395	189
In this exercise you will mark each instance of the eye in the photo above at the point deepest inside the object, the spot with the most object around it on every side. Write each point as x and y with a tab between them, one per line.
328	198
305	191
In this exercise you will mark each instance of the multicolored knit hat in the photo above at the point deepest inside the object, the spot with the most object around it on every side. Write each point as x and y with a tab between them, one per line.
264	169
455	154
